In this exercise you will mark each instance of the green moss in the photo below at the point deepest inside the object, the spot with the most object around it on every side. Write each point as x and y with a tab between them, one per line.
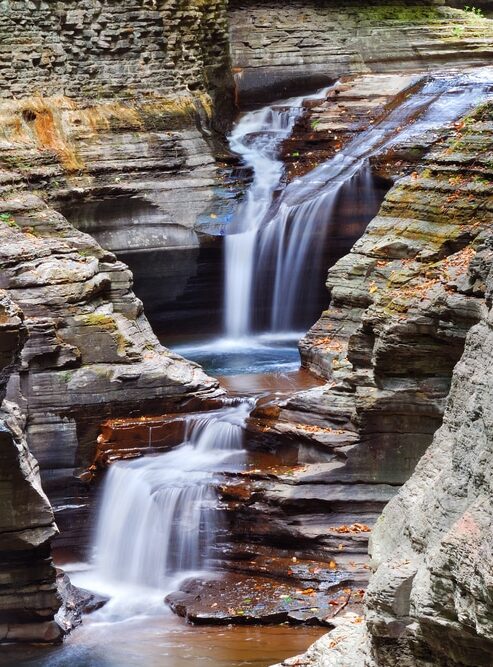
66	376
123	344
99	320
8	219
401	13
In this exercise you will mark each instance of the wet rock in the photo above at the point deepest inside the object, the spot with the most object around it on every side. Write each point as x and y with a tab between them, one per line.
75	602
256	600
91	354
428	601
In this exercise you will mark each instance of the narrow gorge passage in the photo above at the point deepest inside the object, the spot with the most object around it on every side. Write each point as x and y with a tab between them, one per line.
168	523
277	246
246	318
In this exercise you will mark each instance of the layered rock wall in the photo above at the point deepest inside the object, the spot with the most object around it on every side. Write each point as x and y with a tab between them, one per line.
110	112
402	302
429	602
310	43
101	100
28	594
106	49
91	353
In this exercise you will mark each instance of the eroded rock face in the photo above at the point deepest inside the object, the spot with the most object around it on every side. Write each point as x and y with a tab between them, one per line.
312	43
111	112
141	140
28	597
91	353
430	599
402	303
429	602
101	50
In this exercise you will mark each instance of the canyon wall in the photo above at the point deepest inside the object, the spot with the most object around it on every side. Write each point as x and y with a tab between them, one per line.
309	44
105	50
28	594
429	603
386	347
94	90
104	103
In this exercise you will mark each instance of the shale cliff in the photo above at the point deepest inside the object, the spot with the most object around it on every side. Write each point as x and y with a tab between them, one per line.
28	594
428	602
313	42
91	353
114	103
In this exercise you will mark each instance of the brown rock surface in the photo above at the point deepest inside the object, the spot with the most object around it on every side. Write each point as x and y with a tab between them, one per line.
91	353
402	303
429	601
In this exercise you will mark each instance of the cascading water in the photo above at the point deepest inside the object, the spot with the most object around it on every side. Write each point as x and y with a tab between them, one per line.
158	518
284	236
257	139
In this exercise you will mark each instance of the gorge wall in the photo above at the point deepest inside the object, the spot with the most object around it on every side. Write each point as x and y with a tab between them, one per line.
104	102
310	44
100	101
428	604
105	50
28	593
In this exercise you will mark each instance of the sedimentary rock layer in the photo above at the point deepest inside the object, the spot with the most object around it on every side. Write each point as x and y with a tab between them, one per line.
99	50
402	302
102	103
109	111
28	593
429	601
91	353
310	43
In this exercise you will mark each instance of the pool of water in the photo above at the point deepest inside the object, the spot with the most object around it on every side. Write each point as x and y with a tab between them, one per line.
253	355
166	641
136	629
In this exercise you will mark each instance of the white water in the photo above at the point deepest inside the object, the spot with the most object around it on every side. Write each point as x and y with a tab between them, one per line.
158	519
257	138
285	236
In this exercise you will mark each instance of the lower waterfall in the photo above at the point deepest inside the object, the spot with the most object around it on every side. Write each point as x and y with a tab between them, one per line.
158	517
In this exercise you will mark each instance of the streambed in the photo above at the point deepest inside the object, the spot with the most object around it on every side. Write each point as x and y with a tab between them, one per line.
274	244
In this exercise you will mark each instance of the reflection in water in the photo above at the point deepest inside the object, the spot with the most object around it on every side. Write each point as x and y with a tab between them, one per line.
260	354
165	641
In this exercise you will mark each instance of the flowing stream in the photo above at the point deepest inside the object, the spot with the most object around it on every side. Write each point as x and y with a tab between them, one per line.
257	138
158	519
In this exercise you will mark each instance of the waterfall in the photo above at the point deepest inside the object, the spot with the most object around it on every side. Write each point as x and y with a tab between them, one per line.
283	235
257	138
158	515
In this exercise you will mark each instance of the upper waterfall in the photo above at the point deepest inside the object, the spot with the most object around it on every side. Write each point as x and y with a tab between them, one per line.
275	244
257	139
